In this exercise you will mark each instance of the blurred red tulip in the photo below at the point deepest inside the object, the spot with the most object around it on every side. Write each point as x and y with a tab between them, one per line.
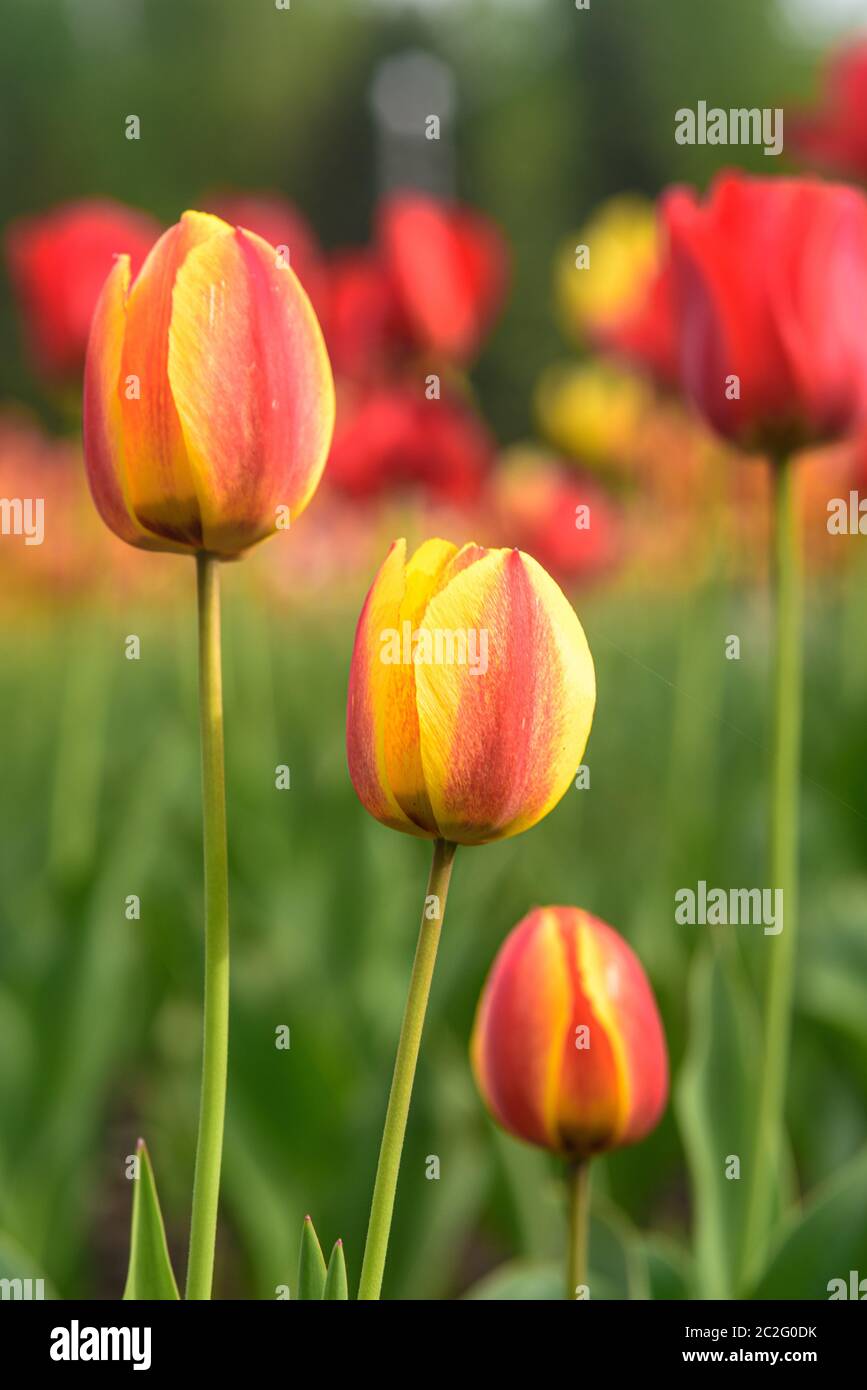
364	327
835	135
770	296
565	520
449	265
430	285
391	437
278	222
58	263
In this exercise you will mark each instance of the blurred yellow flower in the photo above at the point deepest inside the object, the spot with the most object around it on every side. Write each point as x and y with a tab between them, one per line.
591	410
618	249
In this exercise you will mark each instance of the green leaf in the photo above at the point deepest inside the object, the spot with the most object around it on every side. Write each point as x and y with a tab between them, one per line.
669	1270
617	1266
534	1281
538	1201
618	1269
311	1264
336	1286
824	1242
520	1280
17	1263
716	1103
150	1269
833	981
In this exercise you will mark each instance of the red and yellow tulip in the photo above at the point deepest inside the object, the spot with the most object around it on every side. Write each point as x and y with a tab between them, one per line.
466	750
568	1048
208	397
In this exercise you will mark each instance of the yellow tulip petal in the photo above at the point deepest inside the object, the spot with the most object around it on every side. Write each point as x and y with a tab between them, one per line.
375	722
502	731
161	485
402	752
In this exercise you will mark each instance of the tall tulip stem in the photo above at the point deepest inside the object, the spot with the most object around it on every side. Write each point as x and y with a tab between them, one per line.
579	1226
209	1150
390	1151
785	775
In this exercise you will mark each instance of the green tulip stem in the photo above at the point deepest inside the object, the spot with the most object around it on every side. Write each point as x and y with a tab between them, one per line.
209	1149
785	774
393	1133
579	1227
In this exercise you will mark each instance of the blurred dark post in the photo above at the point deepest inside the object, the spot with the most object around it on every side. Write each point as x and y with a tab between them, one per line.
412	96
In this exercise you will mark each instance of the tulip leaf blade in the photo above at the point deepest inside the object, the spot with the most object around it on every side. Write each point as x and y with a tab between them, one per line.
715	1101
518	1281
336	1283
821	1247
312	1272
150	1275
669	1269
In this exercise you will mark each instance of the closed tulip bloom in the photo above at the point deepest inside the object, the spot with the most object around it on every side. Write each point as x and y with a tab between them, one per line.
471	693
568	1049
208	396
769	286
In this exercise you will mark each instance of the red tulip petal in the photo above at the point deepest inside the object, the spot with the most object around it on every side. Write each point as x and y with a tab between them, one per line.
518	1035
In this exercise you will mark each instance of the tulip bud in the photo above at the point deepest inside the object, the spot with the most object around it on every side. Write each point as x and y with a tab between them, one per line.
471	693
208	395
568	1049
